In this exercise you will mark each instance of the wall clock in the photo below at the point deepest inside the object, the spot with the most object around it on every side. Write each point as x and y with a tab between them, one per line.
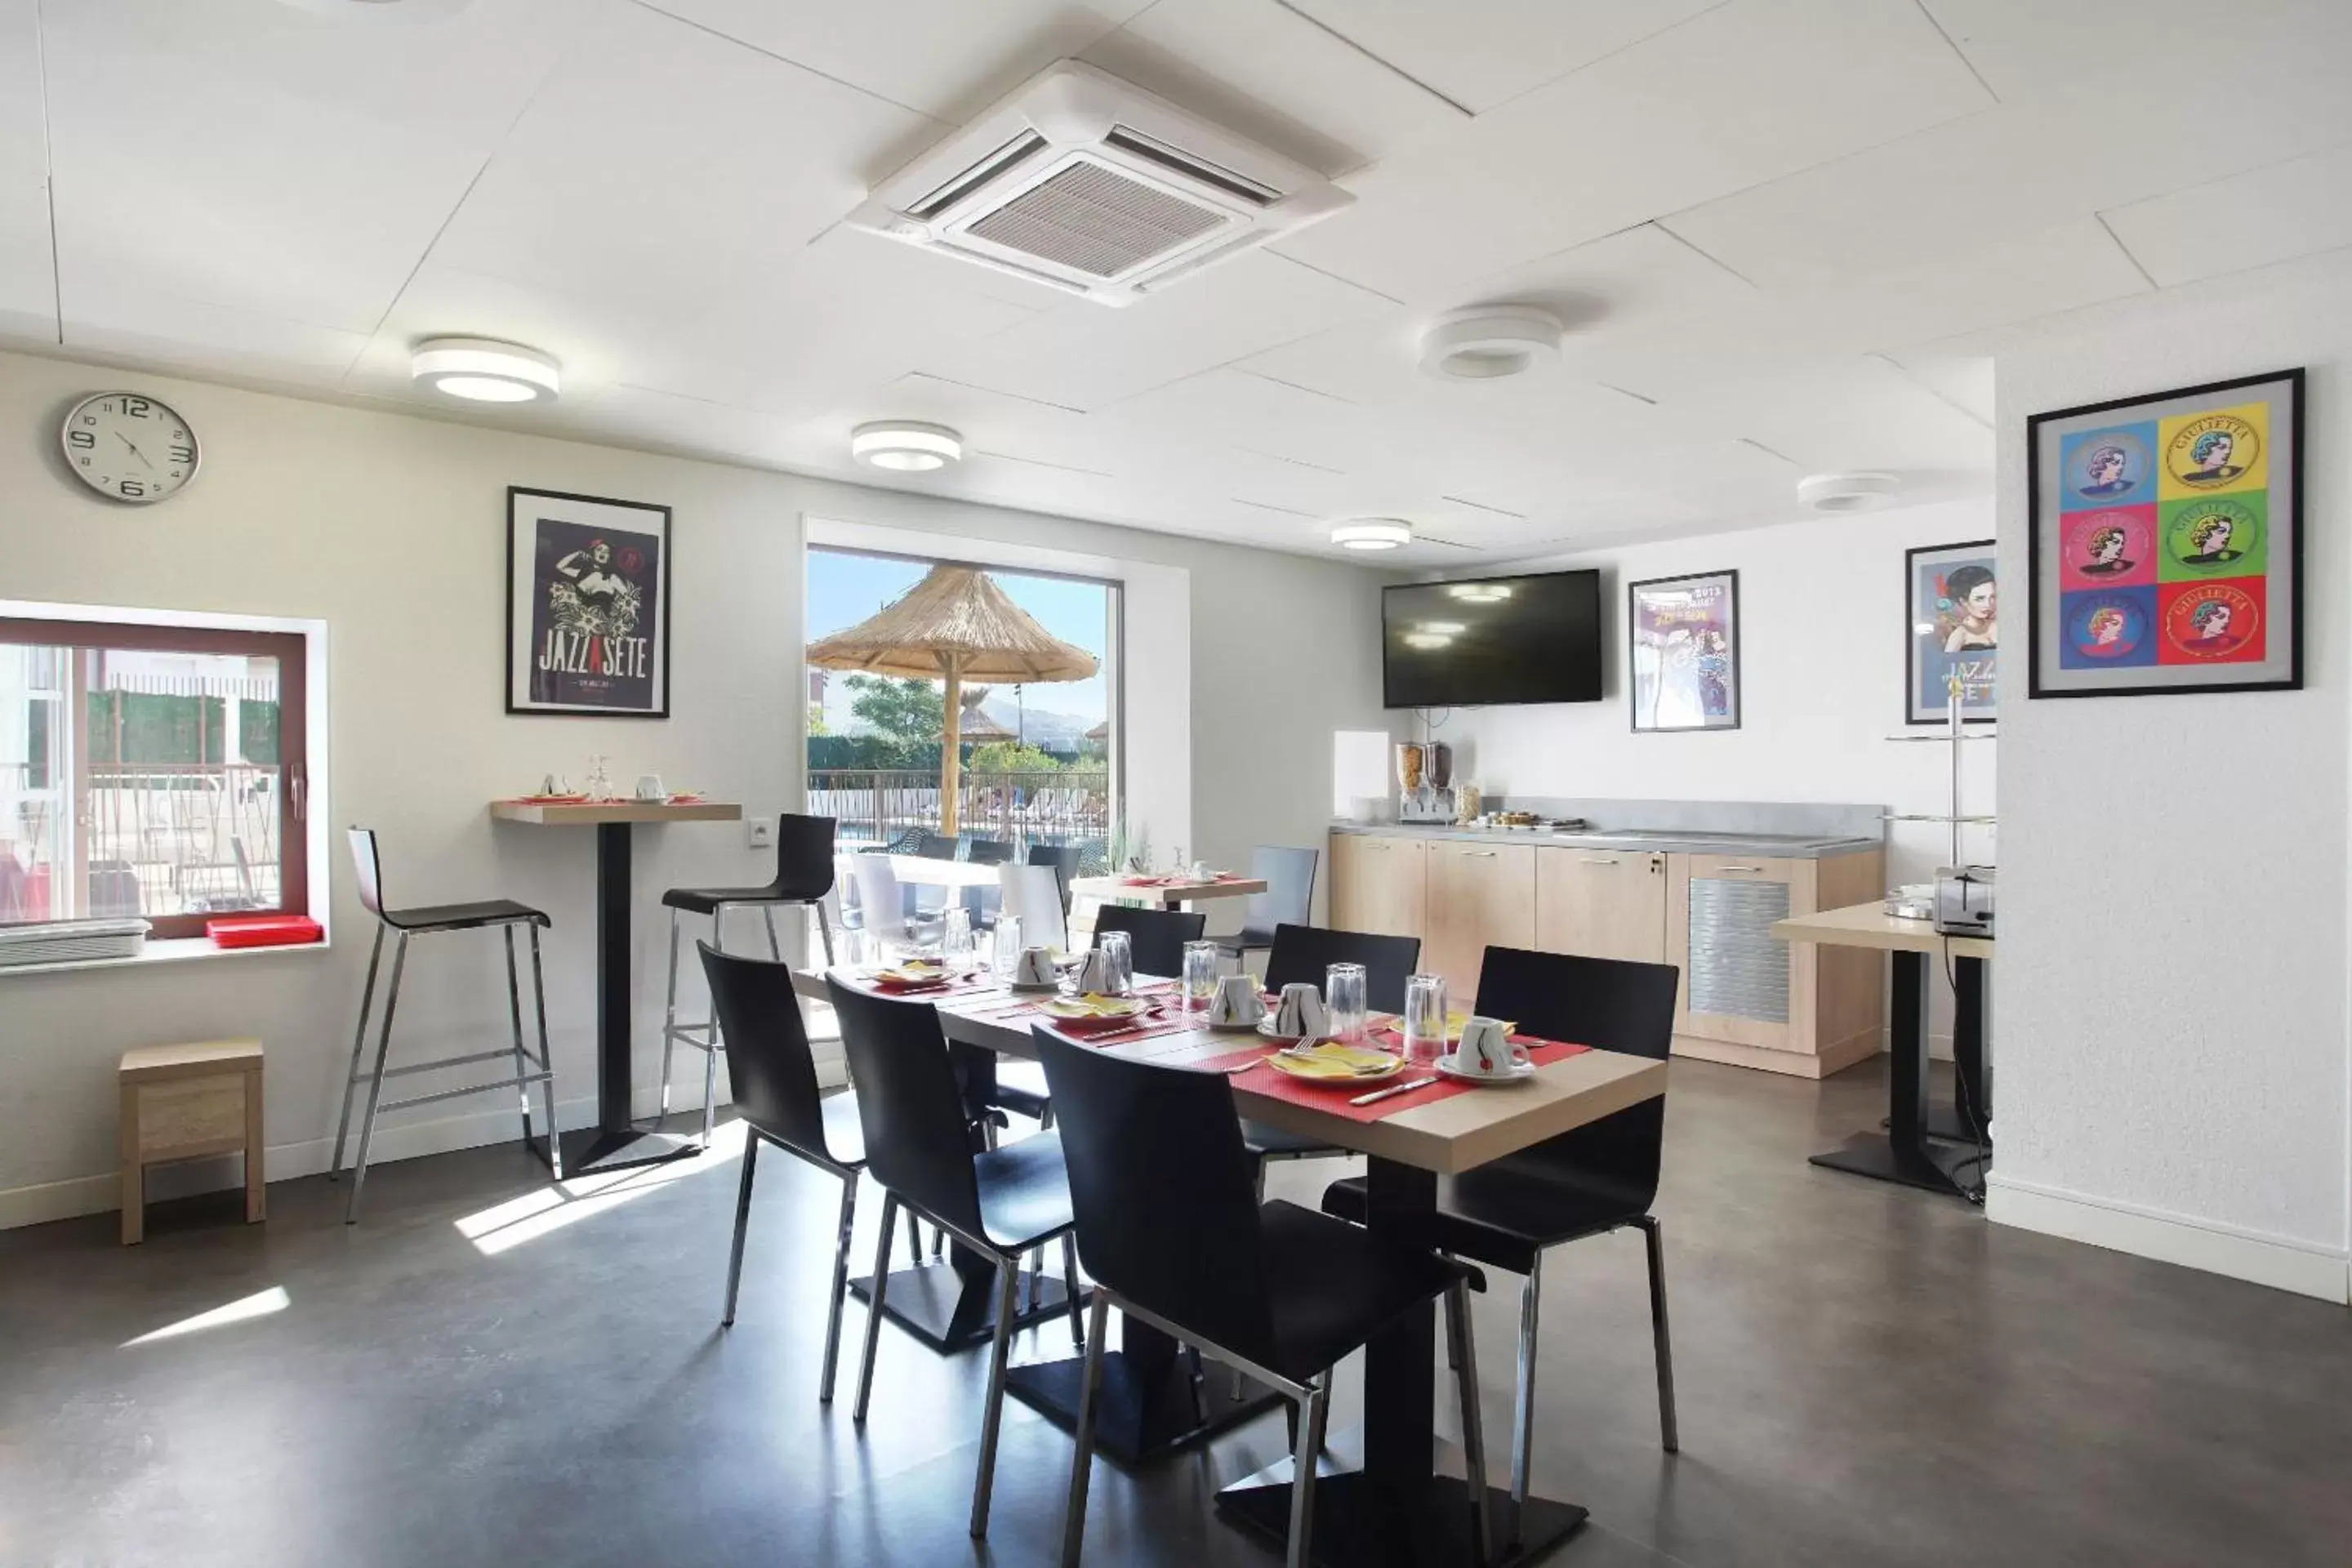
130	448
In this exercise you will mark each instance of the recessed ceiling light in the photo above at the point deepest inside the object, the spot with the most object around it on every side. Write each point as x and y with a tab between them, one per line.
483	371
1848	492
1371	534
1480	592
905	446
1489	342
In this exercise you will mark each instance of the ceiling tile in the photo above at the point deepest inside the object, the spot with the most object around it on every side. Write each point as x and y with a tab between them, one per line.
1482	53
2087	49
2276	214
131	322
949	58
1755	89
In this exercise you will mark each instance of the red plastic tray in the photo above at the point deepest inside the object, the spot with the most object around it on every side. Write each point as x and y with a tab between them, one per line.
264	930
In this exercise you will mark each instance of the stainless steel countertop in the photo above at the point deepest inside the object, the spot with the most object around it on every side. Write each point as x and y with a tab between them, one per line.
1632	840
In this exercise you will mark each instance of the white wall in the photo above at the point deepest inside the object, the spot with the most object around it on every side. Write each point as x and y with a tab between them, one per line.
392	529
2170	1005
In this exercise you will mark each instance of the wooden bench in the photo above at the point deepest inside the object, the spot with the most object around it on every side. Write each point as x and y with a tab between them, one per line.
182	1102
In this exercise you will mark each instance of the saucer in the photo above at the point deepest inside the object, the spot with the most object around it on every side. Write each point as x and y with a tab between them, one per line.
1249	1029
1450	1063
1328	1063
1266	1026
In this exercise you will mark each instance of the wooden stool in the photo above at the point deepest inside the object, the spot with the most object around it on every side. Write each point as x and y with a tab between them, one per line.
182	1102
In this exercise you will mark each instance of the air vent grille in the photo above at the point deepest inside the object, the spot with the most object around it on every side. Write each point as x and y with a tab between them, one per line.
996	165
1091	220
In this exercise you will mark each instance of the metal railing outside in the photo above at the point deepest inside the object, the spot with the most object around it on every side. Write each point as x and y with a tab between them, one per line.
877	805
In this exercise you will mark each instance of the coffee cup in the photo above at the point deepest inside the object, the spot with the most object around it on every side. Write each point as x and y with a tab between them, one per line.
1485	1047
1204	872
1302	1012
1237	1004
649	787
1095	975
1035	968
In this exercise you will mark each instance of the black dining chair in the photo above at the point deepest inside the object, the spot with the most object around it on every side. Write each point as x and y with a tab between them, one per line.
501	915
1595	1179
999	1202
1303	952
991	852
1288	900
1156	936
805	871
937	846
1173	1237
772	1077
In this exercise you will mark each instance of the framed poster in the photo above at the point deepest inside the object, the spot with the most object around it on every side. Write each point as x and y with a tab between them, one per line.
2166	541
1951	605
1682	648
587	605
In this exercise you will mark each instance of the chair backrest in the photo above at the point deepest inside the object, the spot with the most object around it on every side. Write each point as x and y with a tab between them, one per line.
1063	858
937	846
990	852
370	869
879	898
1157	936
1610	1005
803	857
1034	897
1162	1191
1303	952
1289	896
917	1140
769	1068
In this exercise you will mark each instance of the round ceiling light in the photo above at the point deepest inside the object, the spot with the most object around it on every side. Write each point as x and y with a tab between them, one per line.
481	370
905	445
1371	534
1489	342
1848	492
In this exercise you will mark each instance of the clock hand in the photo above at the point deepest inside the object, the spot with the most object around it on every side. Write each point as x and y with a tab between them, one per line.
134	449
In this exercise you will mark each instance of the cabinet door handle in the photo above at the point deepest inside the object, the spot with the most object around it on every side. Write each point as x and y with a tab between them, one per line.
1739	867
1478	854
1601	859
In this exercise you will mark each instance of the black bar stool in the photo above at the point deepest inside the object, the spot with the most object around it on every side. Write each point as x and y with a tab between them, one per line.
1173	1236
1598	1178
772	1078
499	914
999	1202
803	875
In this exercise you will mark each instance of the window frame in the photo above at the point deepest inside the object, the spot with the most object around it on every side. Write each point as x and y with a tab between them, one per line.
291	649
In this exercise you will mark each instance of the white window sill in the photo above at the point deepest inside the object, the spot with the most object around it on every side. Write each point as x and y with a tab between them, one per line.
173	950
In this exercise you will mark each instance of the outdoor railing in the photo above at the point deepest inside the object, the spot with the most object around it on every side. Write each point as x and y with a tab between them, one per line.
877	805
160	840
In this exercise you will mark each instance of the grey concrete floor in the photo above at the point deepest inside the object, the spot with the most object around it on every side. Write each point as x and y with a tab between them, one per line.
483	1373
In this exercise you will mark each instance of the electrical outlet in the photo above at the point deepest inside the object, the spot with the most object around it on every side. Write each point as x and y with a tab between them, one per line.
761	834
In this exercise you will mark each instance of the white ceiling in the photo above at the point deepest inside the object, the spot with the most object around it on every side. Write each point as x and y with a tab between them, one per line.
1780	229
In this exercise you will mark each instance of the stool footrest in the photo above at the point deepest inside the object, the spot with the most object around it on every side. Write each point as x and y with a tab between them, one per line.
507	1054
522	1082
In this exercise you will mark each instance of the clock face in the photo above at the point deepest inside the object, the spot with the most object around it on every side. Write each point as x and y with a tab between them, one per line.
129	447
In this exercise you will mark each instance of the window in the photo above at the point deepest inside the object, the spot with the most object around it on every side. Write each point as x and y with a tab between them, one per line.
150	771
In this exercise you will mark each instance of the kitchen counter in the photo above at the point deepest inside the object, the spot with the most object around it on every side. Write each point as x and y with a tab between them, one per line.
1660	841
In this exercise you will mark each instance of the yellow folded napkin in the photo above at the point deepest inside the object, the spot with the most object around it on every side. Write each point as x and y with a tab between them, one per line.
1329	1059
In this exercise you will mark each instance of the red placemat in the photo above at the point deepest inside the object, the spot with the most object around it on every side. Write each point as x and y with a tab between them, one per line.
1334	1098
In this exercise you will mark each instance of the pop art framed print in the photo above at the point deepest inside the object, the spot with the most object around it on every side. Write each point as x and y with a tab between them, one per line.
2166	541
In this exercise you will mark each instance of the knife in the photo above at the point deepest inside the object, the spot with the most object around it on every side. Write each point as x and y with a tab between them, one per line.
1380	1094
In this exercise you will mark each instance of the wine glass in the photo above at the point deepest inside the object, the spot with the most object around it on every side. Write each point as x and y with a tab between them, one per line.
955	936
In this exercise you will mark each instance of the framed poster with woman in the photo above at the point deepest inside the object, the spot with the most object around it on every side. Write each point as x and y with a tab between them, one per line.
1682	649
587	605
1952	637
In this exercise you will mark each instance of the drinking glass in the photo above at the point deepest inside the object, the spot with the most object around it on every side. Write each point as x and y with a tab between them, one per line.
955	935
1343	998
1424	1017
1199	974
1008	946
1118	963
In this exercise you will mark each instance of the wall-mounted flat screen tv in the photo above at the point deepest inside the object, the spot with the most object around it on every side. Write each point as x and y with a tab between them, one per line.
1491	640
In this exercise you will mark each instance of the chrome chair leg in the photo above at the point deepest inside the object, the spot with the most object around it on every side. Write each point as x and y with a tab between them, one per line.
823	930
376	1080
1037	1277
359	1044
775	948
873	1309
1313	1409
1523	1416
993	1413
546	1060
1464	1352
742	1222
1653	1237
840	1289
1074	1510
914	1241
514	1015
1070	1287
710	1090
669	1012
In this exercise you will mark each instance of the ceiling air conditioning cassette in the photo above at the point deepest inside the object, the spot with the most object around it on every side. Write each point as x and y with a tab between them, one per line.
1091	184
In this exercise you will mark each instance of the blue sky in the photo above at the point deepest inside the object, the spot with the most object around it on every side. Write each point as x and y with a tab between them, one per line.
843	590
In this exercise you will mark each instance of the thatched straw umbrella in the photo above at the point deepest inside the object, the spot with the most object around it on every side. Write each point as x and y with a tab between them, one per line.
955	625
974	725
1100	731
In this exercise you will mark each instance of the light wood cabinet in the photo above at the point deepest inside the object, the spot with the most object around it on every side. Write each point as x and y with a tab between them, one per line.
1602	903
1379	885
1480	896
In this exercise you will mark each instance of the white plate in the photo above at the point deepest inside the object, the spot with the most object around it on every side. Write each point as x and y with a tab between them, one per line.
1039	988
1450	1063
1327	1081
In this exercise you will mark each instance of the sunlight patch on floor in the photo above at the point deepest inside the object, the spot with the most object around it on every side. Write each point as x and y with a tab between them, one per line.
261	1304
503	1226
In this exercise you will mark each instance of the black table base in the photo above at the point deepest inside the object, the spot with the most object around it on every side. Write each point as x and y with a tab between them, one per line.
1907	1152
1363	1524
946	1310
589	1151
1146	1408
1932	1167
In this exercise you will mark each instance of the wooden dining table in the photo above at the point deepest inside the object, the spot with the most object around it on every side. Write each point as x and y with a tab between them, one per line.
1166	892
1383	1500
